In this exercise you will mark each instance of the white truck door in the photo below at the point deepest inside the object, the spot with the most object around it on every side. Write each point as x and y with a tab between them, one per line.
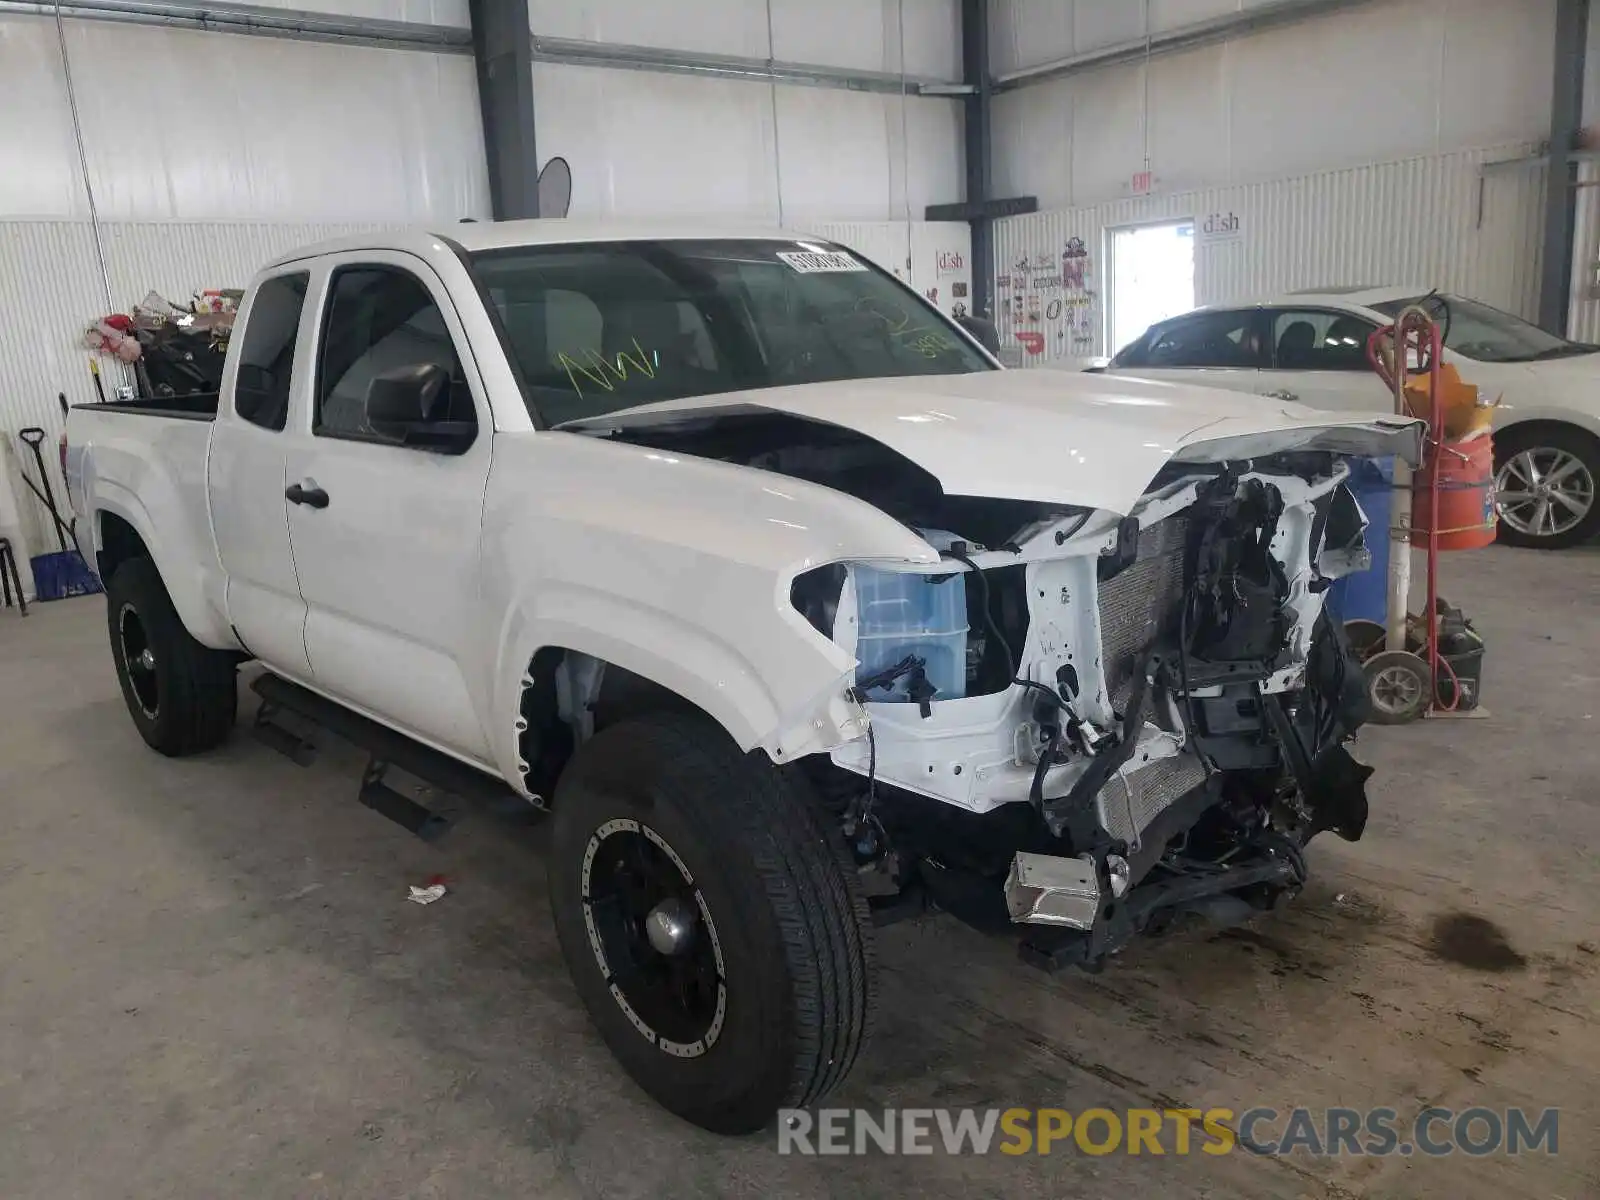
1319	359
385	533
245	472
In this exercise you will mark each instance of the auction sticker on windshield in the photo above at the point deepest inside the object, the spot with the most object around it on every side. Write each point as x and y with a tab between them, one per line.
810	262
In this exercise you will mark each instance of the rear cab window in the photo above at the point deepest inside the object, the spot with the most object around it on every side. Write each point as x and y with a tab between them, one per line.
266	354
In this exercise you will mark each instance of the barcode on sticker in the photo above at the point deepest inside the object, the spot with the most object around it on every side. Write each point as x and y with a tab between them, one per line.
810	261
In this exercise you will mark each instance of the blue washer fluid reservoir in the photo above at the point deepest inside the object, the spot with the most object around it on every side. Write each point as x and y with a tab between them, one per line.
900	613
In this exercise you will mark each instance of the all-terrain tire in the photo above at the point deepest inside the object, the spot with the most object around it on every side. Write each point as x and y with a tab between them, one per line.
183	696
790	926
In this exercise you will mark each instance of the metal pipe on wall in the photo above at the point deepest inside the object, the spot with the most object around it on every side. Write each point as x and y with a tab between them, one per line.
83	164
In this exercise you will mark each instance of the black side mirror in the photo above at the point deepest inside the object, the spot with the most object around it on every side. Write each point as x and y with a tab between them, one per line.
986	333
410	404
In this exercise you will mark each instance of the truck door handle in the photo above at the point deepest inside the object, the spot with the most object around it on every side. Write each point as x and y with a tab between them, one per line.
1283	394
314	496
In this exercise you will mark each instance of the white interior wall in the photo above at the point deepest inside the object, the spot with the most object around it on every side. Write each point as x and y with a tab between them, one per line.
1382	81
187	125
863	34
641	142
428	12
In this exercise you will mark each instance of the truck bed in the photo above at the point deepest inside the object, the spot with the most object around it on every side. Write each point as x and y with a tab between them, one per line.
201	406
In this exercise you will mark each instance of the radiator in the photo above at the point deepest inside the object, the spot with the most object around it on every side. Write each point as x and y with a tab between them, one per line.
1141	604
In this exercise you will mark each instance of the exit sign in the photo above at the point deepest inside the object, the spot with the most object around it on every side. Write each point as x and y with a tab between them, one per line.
1142	182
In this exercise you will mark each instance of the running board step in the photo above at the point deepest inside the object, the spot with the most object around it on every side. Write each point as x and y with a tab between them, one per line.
388	749
405	812
269	732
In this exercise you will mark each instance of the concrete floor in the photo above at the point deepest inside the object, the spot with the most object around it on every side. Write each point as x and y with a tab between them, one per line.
210	983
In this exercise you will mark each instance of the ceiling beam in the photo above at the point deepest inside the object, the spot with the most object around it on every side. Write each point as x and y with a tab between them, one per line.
259	21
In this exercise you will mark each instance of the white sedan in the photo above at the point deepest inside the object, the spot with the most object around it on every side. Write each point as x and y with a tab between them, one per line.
1311	347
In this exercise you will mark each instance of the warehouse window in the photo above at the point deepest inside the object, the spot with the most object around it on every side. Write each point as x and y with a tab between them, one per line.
266	359
598	328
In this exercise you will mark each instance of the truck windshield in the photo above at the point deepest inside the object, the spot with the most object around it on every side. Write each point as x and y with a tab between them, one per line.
604	326
1486	334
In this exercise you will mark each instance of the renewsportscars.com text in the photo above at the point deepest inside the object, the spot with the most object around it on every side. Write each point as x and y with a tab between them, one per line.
1316	1132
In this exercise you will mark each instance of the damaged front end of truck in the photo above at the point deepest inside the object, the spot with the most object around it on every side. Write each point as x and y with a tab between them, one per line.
1088	719
1111	720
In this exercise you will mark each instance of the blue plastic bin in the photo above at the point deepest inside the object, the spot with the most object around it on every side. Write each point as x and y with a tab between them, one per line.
62	574
1364	596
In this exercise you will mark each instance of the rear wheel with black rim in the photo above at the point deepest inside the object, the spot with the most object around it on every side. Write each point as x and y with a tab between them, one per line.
182	696
711	925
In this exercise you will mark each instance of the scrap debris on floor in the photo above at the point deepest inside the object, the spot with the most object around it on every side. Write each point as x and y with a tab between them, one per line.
207	977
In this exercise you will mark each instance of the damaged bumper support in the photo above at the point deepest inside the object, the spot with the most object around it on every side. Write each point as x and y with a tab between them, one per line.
1073	919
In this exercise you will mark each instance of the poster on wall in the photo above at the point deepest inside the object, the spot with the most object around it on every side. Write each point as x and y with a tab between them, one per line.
950	269
1047	304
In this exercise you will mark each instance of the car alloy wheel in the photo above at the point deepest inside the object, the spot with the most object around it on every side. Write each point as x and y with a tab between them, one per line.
1545	491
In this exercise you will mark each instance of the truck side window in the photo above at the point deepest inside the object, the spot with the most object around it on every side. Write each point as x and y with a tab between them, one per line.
379	318
261	386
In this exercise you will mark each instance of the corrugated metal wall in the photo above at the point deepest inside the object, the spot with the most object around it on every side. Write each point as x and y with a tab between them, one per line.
1440	220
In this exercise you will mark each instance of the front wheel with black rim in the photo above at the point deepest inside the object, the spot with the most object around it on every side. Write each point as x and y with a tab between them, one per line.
1545	483
181	695
711	925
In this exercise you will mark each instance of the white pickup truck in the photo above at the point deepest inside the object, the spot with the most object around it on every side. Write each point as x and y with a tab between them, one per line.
759	573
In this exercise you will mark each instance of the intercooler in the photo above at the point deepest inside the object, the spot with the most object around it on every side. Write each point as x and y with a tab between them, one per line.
1141	605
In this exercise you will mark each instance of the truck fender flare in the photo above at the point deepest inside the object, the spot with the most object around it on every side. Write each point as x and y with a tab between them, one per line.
694	664
186	586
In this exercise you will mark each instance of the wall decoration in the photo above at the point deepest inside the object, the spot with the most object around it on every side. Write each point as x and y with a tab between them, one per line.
1053	309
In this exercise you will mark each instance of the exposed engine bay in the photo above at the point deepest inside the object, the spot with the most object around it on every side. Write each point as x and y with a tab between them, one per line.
1083	723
